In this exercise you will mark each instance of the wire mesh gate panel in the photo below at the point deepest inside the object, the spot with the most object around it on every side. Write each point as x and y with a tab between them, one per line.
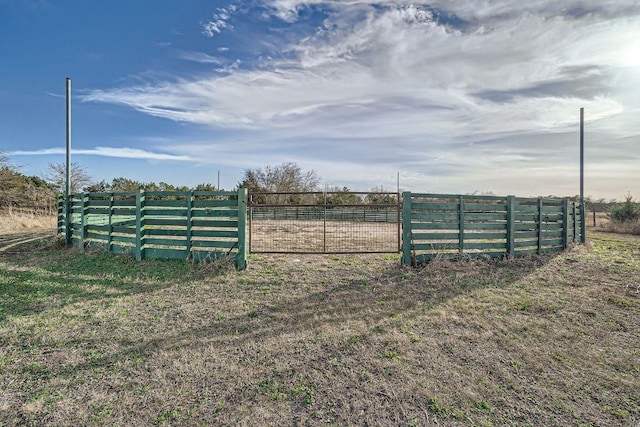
321	222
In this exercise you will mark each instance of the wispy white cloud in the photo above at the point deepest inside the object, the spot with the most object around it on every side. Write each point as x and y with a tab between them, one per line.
219	22
202	58
417	86
230	67
474	12
401	53
120	152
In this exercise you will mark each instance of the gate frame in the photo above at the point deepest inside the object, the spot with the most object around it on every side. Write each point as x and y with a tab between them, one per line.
398	208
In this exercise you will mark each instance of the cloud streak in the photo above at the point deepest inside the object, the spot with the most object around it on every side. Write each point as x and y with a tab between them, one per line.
202	58
120	152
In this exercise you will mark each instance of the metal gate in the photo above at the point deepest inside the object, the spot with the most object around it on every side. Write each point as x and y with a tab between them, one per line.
324	222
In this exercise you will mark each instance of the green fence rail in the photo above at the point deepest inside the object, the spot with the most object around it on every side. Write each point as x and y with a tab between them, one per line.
196	225
436	224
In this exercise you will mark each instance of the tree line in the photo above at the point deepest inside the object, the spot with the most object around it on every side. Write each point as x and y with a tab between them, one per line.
24	192
18	190
40	194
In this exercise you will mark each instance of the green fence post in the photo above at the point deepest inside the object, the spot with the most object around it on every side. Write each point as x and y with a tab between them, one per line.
189	215
583	223
565	223
575	222
67	219
461	227
139	250
406	228
241	259
511	225
539	225
110	223
83	219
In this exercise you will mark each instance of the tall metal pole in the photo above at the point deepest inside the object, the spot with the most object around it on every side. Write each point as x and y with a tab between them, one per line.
68	168
583	210
581	155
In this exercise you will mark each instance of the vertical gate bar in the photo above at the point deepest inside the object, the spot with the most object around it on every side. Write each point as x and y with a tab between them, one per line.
324	225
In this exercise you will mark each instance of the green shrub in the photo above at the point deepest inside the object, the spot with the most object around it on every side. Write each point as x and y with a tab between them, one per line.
628	211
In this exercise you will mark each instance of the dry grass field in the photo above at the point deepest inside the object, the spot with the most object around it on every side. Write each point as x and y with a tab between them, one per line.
309	236
17	222
604	224
94	339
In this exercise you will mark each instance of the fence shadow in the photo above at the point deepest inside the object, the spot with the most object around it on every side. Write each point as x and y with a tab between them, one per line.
369	298
55	280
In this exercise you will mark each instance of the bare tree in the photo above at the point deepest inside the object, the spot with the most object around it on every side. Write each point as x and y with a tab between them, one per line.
287	177
57	176
378	196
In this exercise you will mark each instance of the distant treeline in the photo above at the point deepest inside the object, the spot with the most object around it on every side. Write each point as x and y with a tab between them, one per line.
40	193
34	193
118	185
25	192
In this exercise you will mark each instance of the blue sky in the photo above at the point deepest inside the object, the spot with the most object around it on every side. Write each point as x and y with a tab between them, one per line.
456	96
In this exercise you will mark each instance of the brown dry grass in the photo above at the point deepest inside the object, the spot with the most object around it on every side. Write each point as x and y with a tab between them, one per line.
302	236
602	218
629	227
20	221
323	340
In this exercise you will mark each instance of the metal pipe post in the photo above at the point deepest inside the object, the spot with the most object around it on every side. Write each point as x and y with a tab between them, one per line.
583	228
581	155
68	168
